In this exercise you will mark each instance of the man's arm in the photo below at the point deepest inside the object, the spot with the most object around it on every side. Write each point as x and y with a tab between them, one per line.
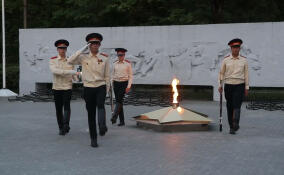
221	76
246	79
76	58
246	75
55	70
130	77
107	74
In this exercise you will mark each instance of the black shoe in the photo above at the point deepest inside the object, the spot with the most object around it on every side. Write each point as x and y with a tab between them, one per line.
94	143
66	129
237	128
232	131
113	120
62	132
103	132
121	124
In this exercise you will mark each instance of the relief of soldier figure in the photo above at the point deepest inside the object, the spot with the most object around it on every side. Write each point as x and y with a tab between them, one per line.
148	63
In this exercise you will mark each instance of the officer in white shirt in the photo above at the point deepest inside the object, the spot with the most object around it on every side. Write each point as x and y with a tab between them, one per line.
96	82
122	81
234	75
62	85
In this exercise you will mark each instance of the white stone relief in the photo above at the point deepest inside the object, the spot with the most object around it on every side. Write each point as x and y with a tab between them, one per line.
254	62
144	62
35	61
193	54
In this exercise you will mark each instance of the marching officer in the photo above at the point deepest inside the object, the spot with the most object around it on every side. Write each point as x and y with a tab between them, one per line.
122	80
96	82
62	85
234	75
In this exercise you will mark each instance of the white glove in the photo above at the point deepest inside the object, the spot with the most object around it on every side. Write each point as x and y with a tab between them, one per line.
84	49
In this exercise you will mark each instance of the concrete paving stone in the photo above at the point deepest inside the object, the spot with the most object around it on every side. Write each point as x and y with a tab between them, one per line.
30	144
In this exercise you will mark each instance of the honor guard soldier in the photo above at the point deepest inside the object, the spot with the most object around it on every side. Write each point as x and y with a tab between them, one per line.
96	82
62	85
234	75
122	80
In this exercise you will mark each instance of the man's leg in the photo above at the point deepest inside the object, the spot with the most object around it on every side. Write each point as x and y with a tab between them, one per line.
58	99
122	93
121	117
67	110
118	100
90	99
237	103
100	100
229	89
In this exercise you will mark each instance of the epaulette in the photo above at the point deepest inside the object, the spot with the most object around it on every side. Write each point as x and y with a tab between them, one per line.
226	56
243	56
53	57
104	54
127	61
115	61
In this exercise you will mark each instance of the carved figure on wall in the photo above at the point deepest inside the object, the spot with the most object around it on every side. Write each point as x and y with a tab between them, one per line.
253	59
186	59
36	61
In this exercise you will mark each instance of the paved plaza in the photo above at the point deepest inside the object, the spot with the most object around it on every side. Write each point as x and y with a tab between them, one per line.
30	144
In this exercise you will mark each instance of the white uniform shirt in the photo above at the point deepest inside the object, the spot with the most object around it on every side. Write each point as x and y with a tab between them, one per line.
95	68
62	73
122	71
234	71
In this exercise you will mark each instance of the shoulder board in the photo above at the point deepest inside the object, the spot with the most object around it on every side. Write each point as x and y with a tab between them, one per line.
227	56
53	57
243	56
104	54
127	61
115	61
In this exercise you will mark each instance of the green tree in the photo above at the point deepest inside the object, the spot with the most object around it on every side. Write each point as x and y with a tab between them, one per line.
106	13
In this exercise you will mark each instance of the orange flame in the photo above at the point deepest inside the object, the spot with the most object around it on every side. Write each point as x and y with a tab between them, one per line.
175	82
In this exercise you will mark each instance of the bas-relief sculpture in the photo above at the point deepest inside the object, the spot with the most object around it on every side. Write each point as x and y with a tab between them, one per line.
192	65
193	62
36	60
182	62
178	62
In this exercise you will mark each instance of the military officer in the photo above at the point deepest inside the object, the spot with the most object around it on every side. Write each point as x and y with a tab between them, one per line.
122	80
234	75
96	82
62	85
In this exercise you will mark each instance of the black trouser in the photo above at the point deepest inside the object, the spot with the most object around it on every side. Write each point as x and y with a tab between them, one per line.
119	92
62	100
234	95
95	98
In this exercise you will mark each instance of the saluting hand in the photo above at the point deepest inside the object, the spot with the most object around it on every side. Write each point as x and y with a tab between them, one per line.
85	48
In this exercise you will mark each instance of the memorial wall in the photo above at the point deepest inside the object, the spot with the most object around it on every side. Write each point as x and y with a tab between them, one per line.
191	53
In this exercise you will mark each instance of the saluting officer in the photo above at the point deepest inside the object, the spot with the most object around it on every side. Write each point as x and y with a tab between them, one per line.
234	75
122	80
96	82
62	85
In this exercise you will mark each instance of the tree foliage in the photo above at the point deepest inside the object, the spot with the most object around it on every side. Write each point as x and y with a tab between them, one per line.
94	13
